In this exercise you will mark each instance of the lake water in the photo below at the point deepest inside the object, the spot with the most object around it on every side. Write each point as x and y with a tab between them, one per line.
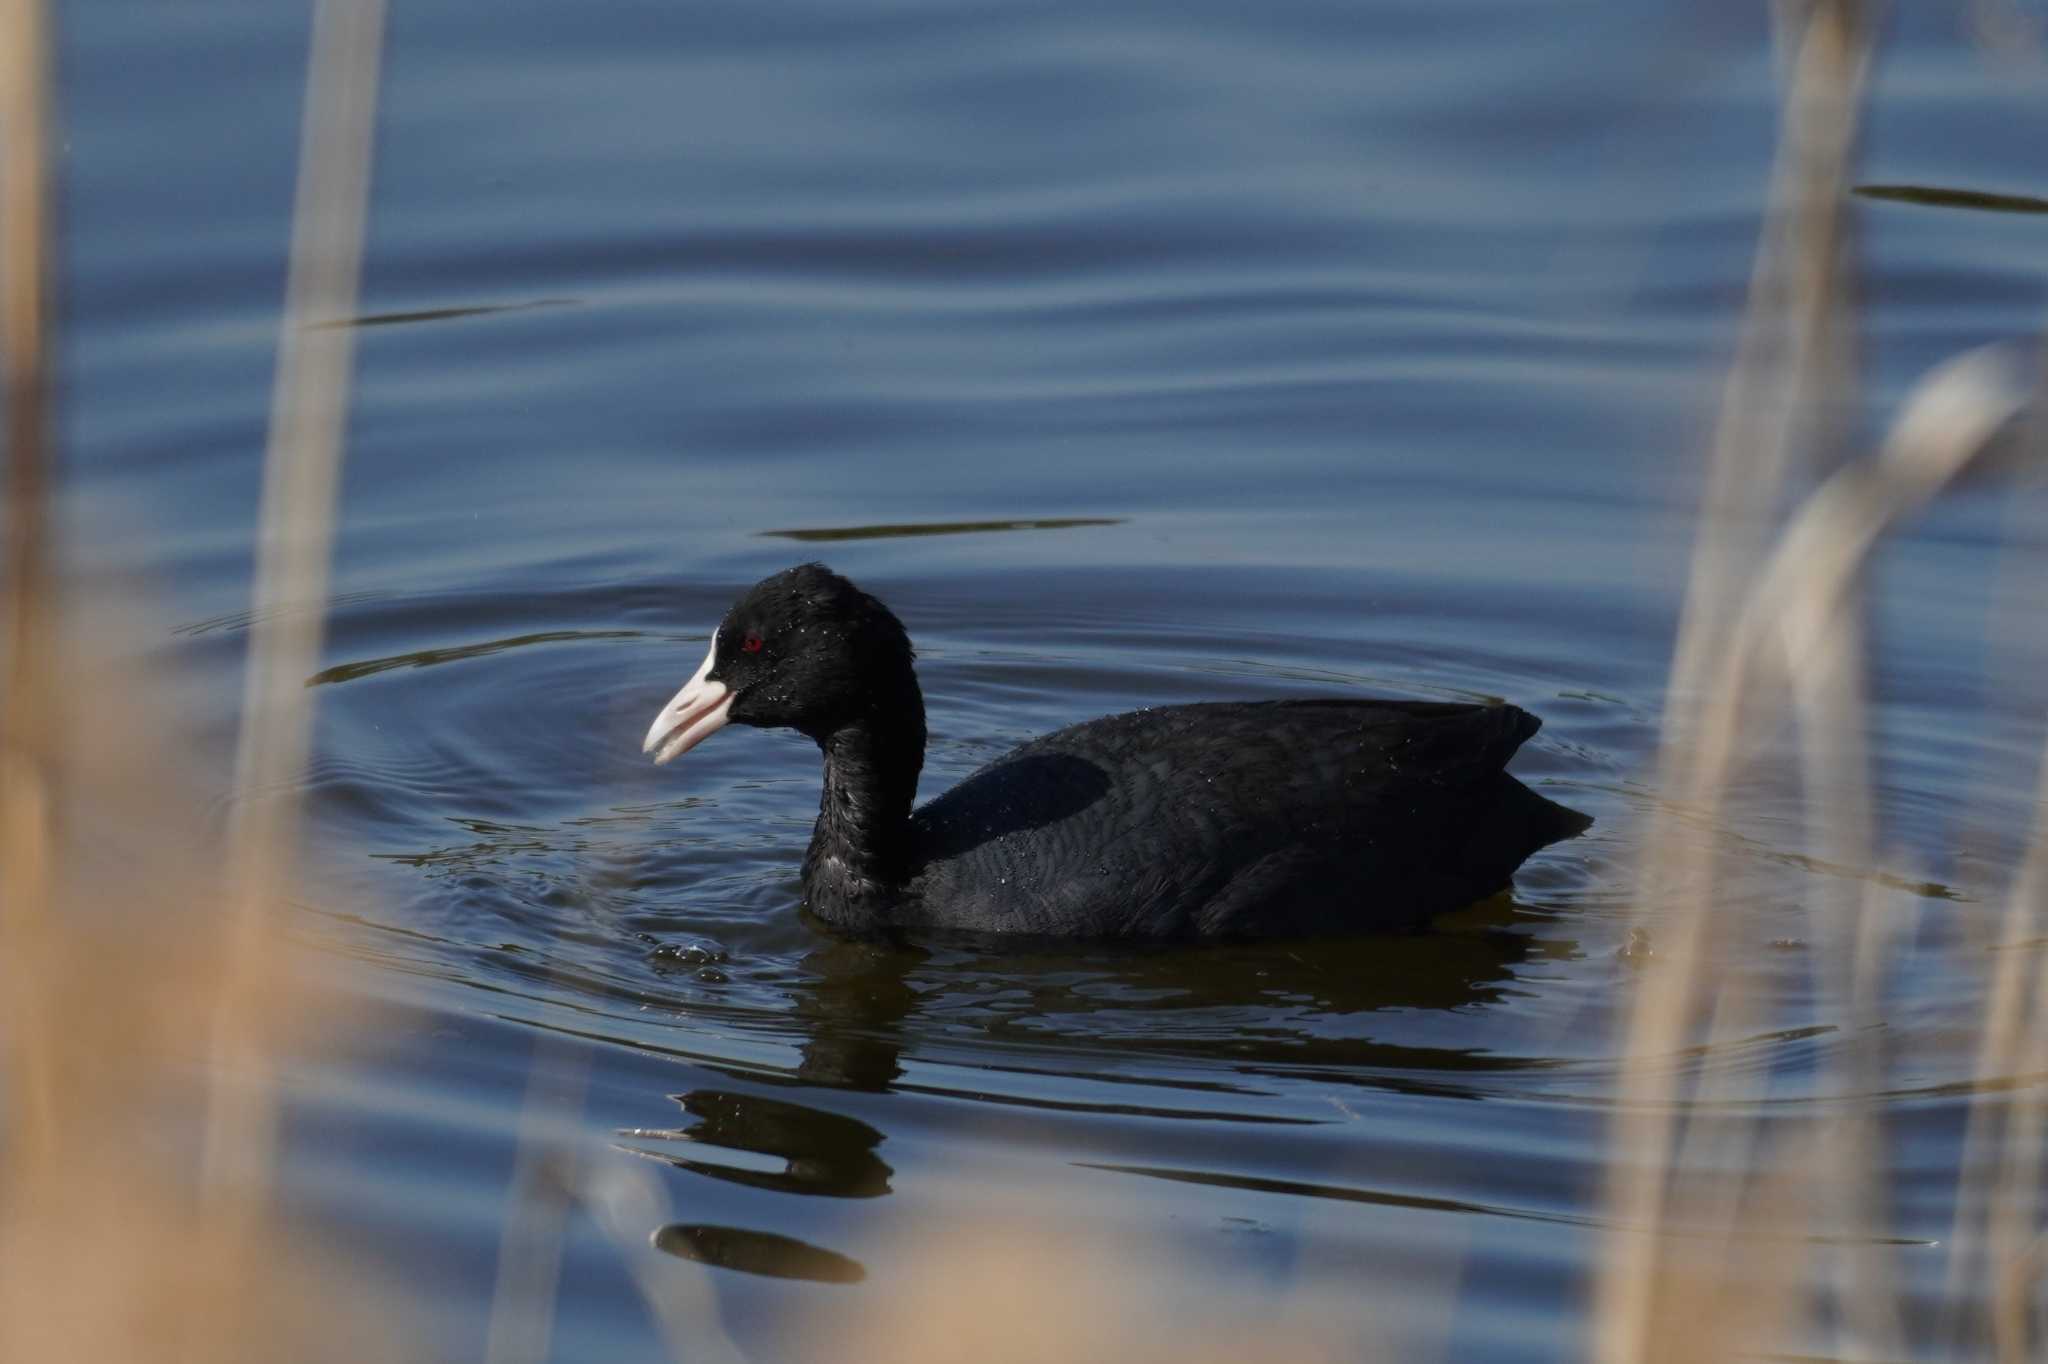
1211	351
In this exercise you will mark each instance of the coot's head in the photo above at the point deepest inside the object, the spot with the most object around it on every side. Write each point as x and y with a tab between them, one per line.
806	650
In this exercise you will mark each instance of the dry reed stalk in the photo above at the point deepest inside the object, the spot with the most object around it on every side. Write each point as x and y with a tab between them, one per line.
536	1221
1791	350
295	535
108	1250
559	1168
26	767
1996	1233
117	941
1024	1285
1996	1228
1774	628
1789	339
626	1200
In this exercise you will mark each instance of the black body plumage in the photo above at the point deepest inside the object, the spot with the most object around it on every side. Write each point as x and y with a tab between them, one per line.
1223	819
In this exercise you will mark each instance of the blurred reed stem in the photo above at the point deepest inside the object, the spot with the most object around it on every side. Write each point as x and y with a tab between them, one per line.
27	769
295	535
1774	628
1788	345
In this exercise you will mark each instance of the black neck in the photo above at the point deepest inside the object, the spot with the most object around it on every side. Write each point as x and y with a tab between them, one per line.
860	849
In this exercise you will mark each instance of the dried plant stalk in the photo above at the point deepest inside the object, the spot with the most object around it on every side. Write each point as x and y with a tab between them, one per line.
1788	344
26	767
301	473
1774	629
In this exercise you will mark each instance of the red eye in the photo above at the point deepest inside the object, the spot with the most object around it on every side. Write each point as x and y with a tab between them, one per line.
752	644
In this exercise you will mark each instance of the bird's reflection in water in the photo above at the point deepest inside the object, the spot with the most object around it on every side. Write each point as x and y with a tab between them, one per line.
757	1252
852	1010
820	1152
861	1006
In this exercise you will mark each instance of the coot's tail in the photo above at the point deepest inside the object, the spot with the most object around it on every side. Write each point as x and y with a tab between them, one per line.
1541	822
1513	825
1546	820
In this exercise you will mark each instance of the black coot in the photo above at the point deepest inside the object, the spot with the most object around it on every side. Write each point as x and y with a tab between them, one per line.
1233	818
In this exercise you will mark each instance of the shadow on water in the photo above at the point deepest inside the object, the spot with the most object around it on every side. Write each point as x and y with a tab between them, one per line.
1932	196
443	314
894	532
428	658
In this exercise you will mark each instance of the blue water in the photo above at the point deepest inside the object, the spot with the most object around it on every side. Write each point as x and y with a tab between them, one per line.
1379	343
